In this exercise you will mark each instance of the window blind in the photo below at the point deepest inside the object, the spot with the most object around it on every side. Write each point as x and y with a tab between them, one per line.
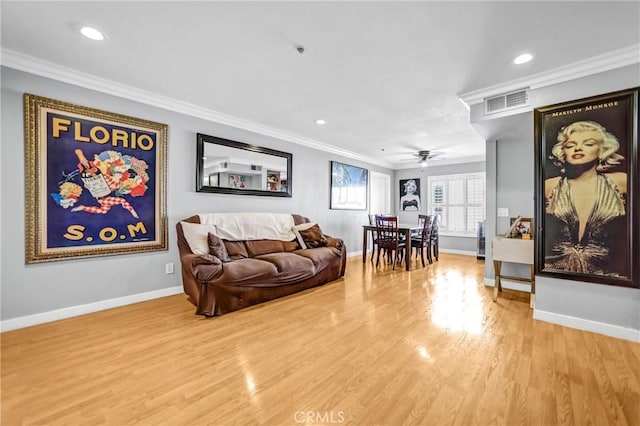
459	200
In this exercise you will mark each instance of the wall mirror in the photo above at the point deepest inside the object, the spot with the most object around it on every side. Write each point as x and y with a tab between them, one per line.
230	167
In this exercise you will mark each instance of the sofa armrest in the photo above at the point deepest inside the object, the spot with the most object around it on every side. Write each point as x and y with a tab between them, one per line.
334	242
193	260
204	267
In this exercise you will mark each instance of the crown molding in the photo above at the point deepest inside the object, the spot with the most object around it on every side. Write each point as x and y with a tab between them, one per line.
594	65
437	163
32	65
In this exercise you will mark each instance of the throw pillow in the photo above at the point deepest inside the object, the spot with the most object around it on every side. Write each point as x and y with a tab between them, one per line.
313	237
301	227
217	248
196	236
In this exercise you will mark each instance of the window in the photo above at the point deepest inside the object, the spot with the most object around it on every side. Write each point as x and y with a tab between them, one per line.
459	200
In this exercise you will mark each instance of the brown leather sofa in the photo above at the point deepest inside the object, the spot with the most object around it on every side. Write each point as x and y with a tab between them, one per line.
258	271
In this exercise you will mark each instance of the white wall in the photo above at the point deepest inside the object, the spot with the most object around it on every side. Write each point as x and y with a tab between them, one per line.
510	164
28	290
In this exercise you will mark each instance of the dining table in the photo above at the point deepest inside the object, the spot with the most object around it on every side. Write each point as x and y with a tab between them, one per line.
405	228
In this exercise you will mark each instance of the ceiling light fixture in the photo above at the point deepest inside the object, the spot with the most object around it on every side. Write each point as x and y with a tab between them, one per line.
92	33
320	122
523	59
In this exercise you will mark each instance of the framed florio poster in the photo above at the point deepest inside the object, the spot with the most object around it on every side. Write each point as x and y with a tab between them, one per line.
95	182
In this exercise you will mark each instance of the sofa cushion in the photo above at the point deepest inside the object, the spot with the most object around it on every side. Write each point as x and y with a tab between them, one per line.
258	247
217	247
321	256
248	272
313	237
290	245
196	236
301	227
236	249
290	266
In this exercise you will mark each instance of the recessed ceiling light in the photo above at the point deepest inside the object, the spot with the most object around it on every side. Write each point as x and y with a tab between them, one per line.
320	122
92	33
523	59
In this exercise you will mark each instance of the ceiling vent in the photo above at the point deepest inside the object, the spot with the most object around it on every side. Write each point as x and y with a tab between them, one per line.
507	101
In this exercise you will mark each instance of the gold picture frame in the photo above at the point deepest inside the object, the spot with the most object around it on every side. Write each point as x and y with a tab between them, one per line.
95	182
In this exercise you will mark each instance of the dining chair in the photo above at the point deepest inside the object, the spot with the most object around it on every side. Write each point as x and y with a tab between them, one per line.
374	236
435	236
389	239
423	241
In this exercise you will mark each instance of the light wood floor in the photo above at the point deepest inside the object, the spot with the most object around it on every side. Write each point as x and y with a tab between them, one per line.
383	347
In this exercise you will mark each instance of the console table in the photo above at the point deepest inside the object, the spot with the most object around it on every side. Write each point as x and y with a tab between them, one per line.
513	250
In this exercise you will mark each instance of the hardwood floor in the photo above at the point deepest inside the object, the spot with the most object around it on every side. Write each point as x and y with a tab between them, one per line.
425	347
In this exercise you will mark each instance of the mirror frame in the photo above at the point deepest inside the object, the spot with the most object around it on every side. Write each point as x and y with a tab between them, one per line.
202	139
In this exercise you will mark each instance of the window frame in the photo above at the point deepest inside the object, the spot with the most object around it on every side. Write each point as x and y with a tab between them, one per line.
465	177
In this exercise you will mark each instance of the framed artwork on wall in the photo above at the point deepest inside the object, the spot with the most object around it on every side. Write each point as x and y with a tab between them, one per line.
587	189
95	182
410	194
521	227
237	181
349	187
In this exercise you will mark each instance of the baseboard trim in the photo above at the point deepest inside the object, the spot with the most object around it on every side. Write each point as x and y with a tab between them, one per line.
569	321
588	325
462	252
74	311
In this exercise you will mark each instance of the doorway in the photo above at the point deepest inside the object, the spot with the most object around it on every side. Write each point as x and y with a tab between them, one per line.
380	193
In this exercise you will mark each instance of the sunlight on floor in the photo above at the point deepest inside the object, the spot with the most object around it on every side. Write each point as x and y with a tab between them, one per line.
250	382
457	305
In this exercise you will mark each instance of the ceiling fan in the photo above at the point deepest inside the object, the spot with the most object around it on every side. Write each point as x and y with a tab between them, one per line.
425	155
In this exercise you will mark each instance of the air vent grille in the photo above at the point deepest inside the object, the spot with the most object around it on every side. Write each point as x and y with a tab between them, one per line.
506	101
517	99
496	104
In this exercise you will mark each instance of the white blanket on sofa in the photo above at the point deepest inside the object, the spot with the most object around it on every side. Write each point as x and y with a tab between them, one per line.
251	226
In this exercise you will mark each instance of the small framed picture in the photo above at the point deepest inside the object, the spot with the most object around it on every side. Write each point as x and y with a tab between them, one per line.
521	227
410	194
237	181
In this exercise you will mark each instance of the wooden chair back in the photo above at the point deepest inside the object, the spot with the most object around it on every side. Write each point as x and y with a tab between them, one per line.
426	221
388	238
387	229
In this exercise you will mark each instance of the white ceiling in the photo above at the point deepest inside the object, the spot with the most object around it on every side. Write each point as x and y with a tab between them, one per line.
384	75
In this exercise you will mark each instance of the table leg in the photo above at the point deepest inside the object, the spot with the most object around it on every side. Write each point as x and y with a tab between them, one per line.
497	286
407	249
365	234
532	298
